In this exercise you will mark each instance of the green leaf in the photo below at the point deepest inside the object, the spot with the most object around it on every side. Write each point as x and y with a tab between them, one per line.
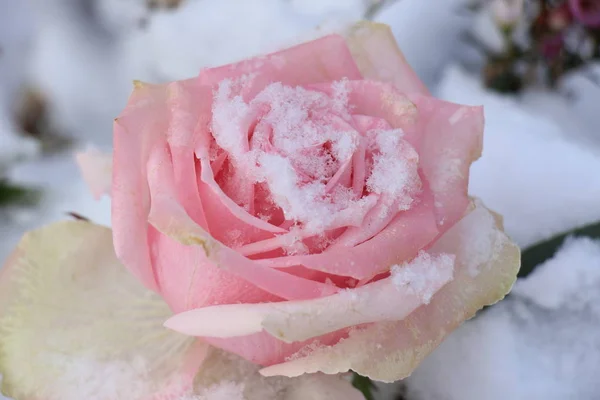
11	194
538	253
365	385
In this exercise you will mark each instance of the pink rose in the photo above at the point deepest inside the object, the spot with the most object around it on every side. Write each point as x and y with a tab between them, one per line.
308	210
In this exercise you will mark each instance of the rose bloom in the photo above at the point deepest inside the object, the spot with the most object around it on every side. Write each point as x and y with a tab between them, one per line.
308	209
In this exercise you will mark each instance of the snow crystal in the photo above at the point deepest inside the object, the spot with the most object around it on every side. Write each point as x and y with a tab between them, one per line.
228	113
300	125
222	391
341	92
394	169
419	273
299	118
87	378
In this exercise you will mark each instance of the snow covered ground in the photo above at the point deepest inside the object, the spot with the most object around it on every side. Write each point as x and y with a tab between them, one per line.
540	167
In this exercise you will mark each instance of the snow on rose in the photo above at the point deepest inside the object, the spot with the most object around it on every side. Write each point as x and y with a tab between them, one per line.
305	210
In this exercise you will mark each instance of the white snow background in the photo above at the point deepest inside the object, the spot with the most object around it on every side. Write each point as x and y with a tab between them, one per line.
540	168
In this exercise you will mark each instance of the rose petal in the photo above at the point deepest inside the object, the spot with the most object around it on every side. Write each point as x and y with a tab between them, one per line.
486	266
384	101
323	60
447	137
451	139
76	325
227	377
189	105
140	126
378	57
401	240
225	215
96	168
292	321
168	217
321	387
264	349
375	221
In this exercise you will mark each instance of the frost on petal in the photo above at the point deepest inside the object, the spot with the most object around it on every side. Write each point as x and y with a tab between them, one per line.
389	351
451	138
322	60
378	57
390	299
74	324
96	168
225	376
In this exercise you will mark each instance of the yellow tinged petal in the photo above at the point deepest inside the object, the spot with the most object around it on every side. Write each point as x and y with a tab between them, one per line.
378	57
487	263
74	324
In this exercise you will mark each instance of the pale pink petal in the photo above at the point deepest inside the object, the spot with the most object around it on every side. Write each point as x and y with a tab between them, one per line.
353	216
168	217
96	168
224	215
143	122
451	137
447	137
323	60
389	299
401	240
375	221
378	57
486	266
263	349
188	104
383	101
75	324
188	279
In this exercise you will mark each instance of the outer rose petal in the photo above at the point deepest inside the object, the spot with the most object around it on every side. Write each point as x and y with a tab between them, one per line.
293	321
451	139
323	60
96	168
487	265
140	126
378	57
76	325
225	376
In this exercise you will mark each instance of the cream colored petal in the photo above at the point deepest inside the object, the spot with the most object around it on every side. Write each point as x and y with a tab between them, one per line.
378	57
226	376
74	324
486	266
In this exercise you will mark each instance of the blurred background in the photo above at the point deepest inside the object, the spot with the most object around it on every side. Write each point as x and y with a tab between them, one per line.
66	70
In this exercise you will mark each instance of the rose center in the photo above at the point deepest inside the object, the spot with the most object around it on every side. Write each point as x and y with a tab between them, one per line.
321	165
